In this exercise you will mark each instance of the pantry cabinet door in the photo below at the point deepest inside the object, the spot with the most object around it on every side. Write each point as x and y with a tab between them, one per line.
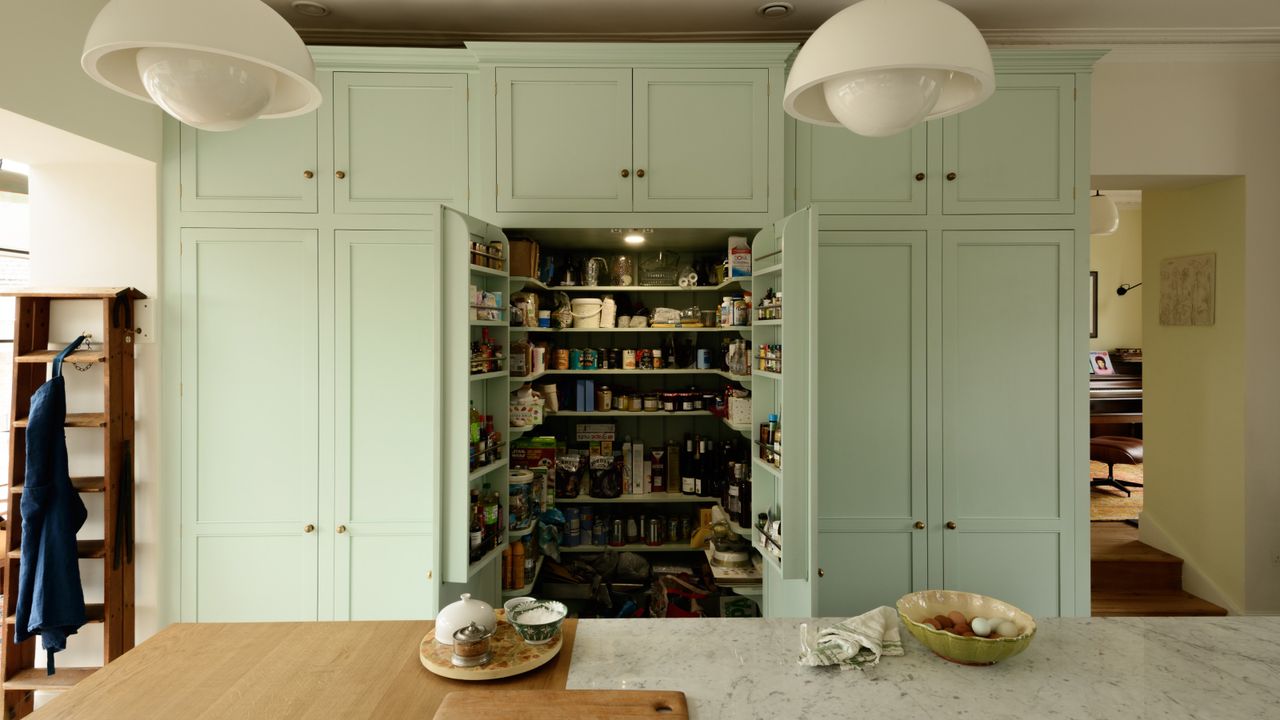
564	139
386	438
841	172
250	424
1007	404
871	459
262	167
1014	153
701	140
400	142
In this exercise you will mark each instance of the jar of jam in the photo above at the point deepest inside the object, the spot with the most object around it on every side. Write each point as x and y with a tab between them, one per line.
604	399
670	401
636	402
651	402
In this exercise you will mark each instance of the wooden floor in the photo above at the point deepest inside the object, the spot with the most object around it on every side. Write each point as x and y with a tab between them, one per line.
1134	579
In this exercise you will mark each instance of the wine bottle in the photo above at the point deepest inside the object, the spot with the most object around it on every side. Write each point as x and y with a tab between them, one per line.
687	470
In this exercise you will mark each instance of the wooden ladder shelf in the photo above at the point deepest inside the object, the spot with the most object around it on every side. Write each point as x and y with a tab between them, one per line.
32	354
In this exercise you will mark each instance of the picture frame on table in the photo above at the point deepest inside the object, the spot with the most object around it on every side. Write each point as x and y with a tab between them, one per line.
1100	363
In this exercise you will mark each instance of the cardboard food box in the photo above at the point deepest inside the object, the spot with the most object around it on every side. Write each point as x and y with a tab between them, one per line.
524	257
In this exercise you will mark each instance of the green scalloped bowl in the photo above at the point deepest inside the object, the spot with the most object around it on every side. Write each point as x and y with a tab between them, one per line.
964	650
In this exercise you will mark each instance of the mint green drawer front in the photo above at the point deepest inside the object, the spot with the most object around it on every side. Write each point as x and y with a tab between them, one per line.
400	141
564	139
841	172
1014	153
701	140
261	167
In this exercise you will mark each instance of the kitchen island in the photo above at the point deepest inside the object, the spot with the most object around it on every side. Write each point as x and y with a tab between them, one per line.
736	669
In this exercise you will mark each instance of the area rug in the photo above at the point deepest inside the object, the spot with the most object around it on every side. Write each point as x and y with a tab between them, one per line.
1108	503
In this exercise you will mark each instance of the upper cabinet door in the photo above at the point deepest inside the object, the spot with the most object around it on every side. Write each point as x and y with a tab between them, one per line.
1014	153
842	172
267	166
400	142
564	140
701	140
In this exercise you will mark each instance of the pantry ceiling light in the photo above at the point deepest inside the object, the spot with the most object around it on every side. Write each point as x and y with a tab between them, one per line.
310	8
879	67
634	239
212	65
775	10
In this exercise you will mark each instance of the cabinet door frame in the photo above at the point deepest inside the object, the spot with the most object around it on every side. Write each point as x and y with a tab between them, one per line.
642	143
1065	525
621	201
916	204
455	84
306	360
954	201
304	200
430	378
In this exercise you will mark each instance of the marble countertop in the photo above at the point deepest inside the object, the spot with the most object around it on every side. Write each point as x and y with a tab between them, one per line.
1086	668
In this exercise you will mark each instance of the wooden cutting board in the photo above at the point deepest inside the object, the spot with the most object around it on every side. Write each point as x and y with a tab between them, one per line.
566	704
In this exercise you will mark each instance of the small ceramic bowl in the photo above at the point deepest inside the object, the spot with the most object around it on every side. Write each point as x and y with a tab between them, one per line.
515	602
549	613
919	606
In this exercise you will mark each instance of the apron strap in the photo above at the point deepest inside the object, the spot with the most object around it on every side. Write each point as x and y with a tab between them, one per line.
57	361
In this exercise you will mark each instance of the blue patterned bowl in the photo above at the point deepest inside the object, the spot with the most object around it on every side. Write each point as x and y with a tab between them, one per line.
537	633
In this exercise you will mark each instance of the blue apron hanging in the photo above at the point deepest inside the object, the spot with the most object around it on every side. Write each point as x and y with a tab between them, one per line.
50	598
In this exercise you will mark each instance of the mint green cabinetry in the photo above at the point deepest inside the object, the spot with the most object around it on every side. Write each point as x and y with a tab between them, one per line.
250	424
838	171
623	140
262	167
871	419
564	139
1008	360
386	496
1014	153
400	142
701	140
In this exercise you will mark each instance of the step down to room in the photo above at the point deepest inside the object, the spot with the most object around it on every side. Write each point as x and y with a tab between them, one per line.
1168	603
93	614
81	484
1133	579
76	420
36	679
86	549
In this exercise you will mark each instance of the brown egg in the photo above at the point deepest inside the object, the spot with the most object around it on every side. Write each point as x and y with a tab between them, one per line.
968	633
993	636
933	624
957	617
943	621
961	628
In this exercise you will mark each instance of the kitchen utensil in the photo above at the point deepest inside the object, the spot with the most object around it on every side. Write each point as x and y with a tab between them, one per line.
462	613
595	269
918	606
511	656
567	704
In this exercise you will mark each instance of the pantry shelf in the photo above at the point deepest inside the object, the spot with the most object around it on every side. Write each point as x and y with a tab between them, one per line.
631	547
729	328
488	323
488	271
629	413
663	497
757	542
730	376
522	379
528	282
521	533
518	592
744	429
621	371
488	557
775	472
767	374
757	272
489	375
486	469
769	323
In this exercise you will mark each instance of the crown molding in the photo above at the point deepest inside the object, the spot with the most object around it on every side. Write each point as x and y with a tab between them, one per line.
452	39
383	58
1053	59
684	54
1132	36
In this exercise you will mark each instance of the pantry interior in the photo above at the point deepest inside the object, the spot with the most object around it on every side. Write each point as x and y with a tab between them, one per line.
626	394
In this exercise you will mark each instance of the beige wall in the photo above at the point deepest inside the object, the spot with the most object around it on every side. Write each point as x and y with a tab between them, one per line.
1117	258
1213	117
1193	388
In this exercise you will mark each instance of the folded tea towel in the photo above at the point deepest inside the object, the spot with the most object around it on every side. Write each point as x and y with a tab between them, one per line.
857	642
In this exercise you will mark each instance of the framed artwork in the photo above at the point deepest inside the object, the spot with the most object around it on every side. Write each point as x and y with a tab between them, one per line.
1187	288
1100	363
1093	304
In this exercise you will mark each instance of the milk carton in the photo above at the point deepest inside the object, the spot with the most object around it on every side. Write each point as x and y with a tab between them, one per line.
739	257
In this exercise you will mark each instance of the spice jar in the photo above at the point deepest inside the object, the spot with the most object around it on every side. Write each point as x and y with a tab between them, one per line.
604	398
651	402
472	646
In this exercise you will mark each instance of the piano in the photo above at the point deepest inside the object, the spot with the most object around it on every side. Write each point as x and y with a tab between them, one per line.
1115	401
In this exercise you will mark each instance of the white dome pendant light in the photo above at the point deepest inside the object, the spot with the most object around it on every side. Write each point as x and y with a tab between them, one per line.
879	67
1104	216
214	65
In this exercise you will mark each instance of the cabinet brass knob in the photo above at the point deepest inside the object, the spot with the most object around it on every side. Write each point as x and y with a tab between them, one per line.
951	176
309	528
640	172
428	574
340	175
919	525
342	529
822	573
919	177
951	524
308	174
626	172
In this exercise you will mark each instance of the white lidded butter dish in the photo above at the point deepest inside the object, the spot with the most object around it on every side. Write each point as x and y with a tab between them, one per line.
462	613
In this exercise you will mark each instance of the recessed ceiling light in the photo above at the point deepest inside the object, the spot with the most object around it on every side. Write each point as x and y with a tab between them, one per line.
310	8
775	10
634	239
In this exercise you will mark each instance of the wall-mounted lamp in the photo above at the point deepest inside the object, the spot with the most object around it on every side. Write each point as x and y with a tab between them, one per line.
1125	288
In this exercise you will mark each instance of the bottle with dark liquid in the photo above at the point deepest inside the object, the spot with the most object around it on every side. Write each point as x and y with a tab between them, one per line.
687	482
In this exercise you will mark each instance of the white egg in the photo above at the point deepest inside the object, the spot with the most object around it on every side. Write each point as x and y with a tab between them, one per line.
1008	629
981	627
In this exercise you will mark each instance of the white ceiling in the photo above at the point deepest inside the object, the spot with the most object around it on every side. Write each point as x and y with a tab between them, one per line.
451	21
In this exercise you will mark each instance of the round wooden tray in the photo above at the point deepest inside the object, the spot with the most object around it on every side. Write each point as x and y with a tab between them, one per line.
511	656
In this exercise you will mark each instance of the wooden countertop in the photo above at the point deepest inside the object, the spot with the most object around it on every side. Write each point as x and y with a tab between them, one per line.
299	671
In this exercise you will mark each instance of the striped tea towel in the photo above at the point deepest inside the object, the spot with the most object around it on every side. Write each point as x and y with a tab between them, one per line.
857	642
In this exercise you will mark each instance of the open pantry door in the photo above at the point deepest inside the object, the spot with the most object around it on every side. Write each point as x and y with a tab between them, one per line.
782	482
